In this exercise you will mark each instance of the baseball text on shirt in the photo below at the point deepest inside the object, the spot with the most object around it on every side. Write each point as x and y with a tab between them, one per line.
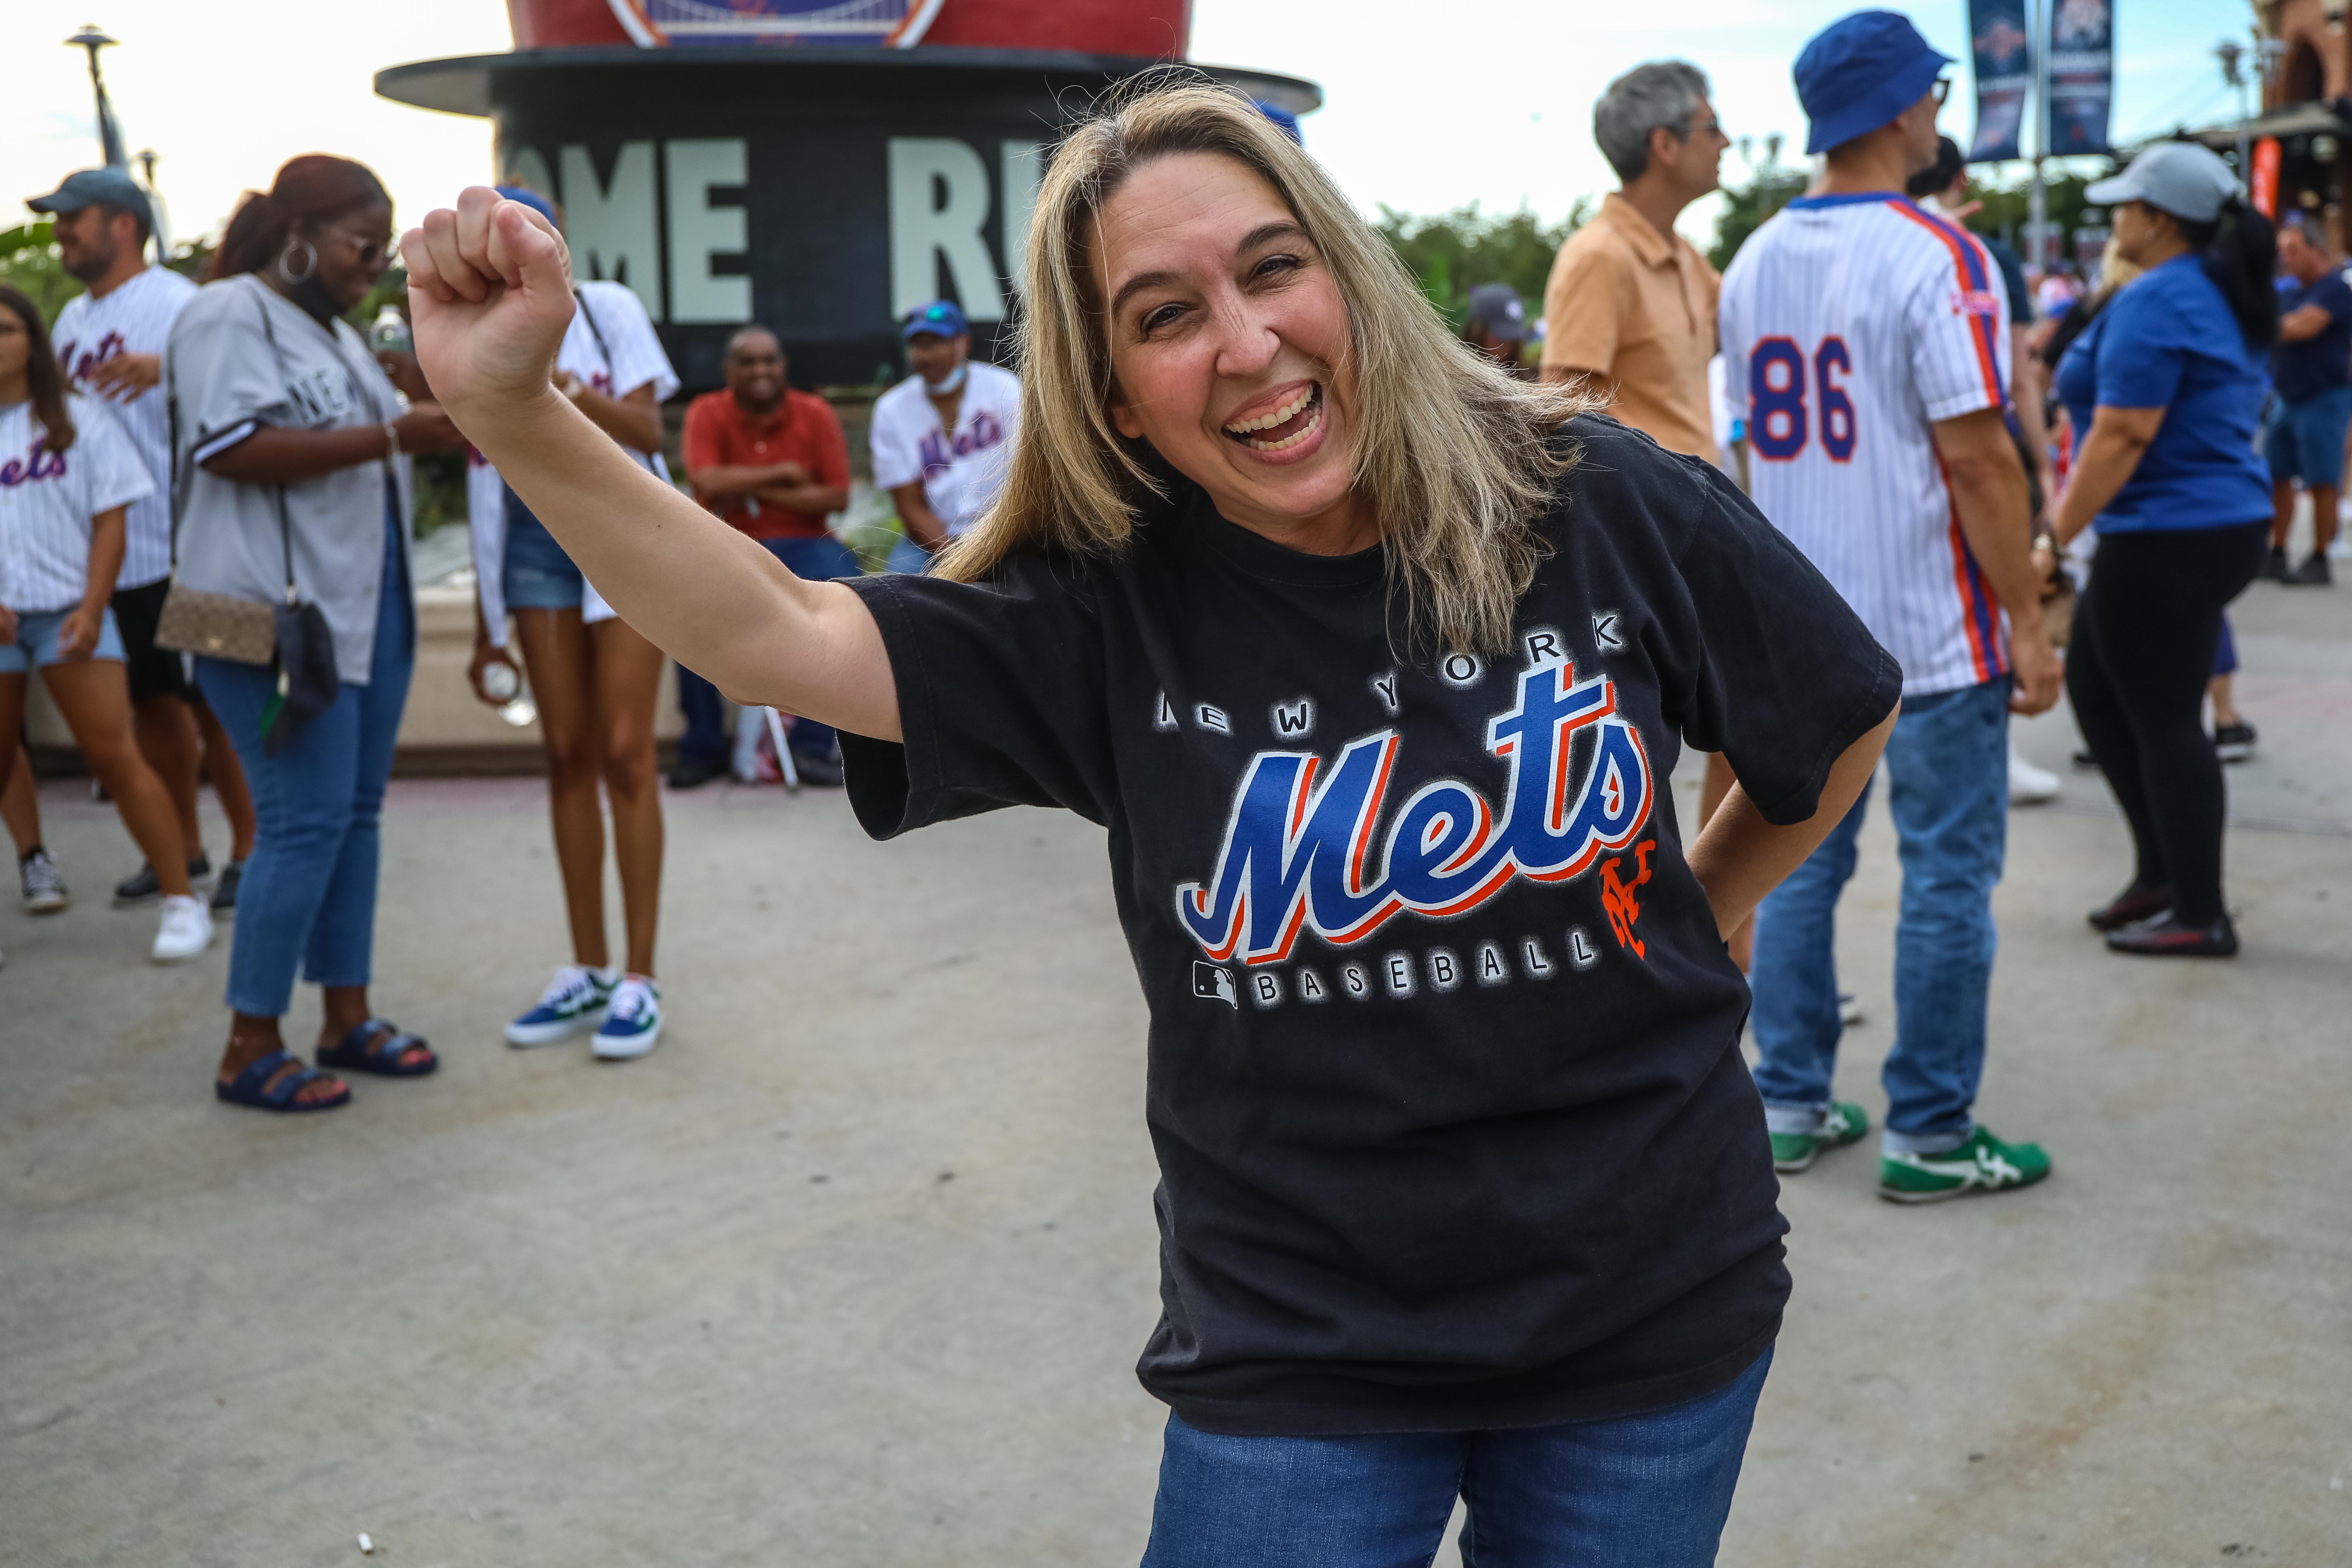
1851	325
48	499
134	318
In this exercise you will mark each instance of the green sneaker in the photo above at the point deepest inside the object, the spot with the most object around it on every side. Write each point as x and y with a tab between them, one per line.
1794	1151
1982	1164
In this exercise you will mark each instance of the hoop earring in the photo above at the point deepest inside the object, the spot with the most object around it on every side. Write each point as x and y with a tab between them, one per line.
286	274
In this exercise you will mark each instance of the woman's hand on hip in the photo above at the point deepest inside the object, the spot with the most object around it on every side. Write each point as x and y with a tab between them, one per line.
489	295
8	627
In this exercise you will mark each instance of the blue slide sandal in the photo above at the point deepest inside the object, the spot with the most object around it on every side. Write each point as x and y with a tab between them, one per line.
360	1051
252	1086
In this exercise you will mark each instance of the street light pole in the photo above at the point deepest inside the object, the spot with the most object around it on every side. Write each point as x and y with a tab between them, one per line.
2037	211
110	135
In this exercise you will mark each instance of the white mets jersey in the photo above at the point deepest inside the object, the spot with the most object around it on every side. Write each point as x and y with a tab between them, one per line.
48	499
1850	324
135	318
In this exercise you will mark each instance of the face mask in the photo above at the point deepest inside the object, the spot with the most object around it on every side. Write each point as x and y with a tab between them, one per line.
951	386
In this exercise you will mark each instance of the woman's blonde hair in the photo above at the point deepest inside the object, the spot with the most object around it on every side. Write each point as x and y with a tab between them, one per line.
1457	457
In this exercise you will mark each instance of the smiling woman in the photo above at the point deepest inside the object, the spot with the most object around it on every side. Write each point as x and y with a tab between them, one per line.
1372	661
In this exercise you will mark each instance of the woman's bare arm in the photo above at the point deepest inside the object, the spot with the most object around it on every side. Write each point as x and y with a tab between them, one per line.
1739	857
490	294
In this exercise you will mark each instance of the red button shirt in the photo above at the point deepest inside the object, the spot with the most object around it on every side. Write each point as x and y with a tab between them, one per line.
720	433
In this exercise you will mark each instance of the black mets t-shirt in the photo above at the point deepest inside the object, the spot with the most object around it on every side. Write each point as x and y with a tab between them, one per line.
1453	1126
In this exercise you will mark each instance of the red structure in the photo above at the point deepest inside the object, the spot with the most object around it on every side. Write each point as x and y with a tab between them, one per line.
1138	29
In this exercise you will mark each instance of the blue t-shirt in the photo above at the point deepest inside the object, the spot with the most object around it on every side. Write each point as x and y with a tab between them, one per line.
2302	371
2168	341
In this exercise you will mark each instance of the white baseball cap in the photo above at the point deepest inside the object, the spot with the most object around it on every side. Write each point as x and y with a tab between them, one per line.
2178	177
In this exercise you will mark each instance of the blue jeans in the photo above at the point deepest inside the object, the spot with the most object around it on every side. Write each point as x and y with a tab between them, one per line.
2305	440
1947	766
908	558
309	893
1646	1491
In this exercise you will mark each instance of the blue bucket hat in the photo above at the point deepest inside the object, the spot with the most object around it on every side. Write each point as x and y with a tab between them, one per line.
941	318
1860	72
531	199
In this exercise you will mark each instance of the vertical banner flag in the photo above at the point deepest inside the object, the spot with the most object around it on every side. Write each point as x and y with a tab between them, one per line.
2004	70
2262	183
2082	75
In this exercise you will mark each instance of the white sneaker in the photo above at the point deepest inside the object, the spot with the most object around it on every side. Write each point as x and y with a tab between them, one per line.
44	886
185	931
2029	785
632	1023
575	999
1849	1009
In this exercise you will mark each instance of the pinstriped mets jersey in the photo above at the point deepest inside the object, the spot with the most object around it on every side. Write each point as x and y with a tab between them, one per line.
134	318
1850	324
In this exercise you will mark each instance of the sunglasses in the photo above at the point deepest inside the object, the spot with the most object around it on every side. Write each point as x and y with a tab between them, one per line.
1942	90
375	252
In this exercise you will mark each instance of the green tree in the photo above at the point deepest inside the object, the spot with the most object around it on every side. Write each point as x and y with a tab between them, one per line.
1745	208
1455	252
29	258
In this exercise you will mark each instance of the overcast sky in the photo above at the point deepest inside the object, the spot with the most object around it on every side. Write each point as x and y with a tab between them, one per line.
1429	106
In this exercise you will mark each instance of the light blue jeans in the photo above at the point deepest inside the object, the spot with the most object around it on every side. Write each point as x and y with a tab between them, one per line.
308	893
1948	769
1645	1491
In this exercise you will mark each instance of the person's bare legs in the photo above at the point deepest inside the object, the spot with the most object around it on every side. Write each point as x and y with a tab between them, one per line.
2222	691
167	737
2324	501
227	776
627	686
20	803
2282	512
94	697
1711	791
557	660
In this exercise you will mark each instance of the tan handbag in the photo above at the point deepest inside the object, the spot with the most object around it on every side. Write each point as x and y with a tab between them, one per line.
217	627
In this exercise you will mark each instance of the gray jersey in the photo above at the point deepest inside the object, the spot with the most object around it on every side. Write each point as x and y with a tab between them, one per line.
243	356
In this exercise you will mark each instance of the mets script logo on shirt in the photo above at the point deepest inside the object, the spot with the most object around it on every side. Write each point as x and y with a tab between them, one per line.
78	362
40	463
936	454
1297	851
1975	302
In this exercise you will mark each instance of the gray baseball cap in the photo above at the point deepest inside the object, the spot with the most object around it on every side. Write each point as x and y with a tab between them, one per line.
87	187
2178	177
1496	307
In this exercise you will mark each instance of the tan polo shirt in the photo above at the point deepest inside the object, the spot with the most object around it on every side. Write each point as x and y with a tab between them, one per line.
1638	310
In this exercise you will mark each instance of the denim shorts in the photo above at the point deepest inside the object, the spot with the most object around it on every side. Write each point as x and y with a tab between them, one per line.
537	573
2305	440
36	641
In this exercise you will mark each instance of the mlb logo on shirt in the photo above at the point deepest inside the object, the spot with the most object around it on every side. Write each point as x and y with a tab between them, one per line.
1975	302
1215	982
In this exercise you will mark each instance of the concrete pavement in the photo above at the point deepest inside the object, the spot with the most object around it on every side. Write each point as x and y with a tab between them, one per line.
854	1269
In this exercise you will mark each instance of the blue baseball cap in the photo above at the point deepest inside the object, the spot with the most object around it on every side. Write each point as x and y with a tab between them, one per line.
941	318
87	187
532	200
1860	72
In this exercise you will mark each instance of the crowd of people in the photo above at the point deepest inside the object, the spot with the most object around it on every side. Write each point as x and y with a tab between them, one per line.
1249	490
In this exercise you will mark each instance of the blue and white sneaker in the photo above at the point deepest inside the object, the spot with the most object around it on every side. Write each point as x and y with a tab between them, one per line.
573	1000
633	1023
